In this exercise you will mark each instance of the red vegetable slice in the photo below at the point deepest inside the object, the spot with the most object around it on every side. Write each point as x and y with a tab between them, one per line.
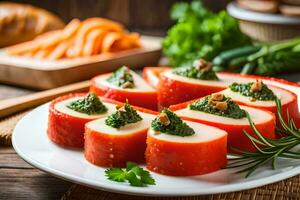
174	89
264	121
288	100
201	153
110	147
65	126
152	75
142	95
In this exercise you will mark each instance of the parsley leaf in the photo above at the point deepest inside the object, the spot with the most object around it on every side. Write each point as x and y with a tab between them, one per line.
116	174
135	175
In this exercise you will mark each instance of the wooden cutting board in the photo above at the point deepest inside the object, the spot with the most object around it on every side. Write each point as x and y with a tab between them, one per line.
43	74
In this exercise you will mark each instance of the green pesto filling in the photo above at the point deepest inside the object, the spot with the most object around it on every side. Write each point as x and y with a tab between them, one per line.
265	94
195	73
233	110
175	127
124	115
122	78
90	104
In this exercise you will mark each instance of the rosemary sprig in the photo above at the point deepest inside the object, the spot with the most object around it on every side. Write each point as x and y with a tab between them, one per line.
268	150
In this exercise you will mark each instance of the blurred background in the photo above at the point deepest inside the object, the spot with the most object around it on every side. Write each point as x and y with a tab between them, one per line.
146	16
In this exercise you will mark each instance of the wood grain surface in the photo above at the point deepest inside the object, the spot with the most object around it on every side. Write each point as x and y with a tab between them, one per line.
18	180
283	190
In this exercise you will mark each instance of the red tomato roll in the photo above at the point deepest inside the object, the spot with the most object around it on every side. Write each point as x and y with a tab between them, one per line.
142	94
174	89
289	102
197	154
263	120
112	147
152	75
66	126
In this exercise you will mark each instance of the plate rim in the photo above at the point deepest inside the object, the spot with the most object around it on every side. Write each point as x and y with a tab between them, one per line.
243	14
141	191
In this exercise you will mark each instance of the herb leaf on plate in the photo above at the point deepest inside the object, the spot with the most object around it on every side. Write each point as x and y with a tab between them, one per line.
133	174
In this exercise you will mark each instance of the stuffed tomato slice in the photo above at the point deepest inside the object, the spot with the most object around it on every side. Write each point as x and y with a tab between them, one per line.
188	83
259	95
118	138
124	84
221	112
152	75
68	115
184	148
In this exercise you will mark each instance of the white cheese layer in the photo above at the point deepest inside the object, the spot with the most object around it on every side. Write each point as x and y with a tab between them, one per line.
100	126
140	84
62	107
283	95
258	116
203	133
223	81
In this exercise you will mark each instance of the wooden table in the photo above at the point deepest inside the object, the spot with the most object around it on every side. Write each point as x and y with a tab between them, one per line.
19	180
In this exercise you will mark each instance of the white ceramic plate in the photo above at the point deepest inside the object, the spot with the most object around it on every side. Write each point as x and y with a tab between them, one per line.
237	12
32	144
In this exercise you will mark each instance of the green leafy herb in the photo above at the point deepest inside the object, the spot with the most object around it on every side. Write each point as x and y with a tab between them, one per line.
122	78
90	104
135	175
169	123
268	150
264	94
124	115
202	72
264	59
200	33
206	105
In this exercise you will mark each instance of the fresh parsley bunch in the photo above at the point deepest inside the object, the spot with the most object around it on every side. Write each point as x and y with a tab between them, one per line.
200	33
135	175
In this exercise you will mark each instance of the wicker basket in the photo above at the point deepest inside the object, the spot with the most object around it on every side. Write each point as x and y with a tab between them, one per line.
269	32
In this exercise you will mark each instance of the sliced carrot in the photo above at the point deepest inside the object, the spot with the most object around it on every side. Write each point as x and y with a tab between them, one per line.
109	40
127	41
94	35
60	50
86	27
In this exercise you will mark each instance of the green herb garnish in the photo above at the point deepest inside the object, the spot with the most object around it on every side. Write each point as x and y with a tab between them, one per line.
268	150
124	115
201	70
209	105
263	93
169	123
122	78
135	175
200	33
90	104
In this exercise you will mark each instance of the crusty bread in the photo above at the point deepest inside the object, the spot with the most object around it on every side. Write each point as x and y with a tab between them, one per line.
259	5
290	10
23	22
291	2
